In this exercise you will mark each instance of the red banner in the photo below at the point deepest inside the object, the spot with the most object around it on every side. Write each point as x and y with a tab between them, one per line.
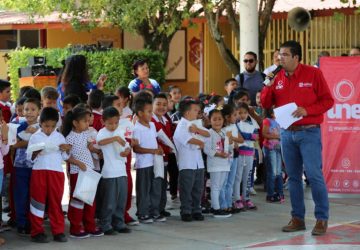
341	127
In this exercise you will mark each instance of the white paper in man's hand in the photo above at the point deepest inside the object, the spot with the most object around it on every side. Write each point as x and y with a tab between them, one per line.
283	115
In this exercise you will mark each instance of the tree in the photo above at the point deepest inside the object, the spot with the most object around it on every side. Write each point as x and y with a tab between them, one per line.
156	21
214	11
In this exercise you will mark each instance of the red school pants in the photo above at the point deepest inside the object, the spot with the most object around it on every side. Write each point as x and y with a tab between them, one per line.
127	216
80	214
46	187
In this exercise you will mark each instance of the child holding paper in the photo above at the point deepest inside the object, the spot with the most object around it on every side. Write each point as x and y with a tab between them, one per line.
76	130
4	149
23	166
113	185
148	188
47	177
160	105
190	161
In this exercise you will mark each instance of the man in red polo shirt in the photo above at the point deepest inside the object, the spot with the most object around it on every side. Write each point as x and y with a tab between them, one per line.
301	142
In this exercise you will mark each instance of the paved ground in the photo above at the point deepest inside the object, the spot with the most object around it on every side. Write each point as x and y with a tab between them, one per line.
256	230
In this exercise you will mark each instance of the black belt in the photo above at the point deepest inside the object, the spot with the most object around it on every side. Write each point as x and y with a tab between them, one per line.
302	127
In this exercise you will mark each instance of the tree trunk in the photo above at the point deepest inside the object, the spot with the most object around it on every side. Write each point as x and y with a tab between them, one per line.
229	59
265	10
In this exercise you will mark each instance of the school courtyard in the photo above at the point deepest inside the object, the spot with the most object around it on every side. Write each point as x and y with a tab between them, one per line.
259	229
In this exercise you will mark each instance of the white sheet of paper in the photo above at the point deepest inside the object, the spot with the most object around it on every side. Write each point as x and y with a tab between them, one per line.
283	115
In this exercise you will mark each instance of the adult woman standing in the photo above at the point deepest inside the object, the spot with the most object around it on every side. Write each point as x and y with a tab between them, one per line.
75	80
142	80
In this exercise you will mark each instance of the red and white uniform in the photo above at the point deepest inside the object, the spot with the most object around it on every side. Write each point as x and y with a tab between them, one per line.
80	215
306	87
47	183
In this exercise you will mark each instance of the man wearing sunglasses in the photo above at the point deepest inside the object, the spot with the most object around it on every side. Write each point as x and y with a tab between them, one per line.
251	79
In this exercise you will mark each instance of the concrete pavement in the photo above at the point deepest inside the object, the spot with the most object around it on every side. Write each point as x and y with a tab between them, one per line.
247	229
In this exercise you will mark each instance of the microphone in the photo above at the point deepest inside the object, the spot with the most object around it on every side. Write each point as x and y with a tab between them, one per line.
268	79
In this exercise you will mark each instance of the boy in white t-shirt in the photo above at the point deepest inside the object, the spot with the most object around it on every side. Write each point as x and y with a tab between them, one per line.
148	190
113	185
190	161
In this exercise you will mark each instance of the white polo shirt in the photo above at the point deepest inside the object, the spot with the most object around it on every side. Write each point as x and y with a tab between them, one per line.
114	166
147	139
51	160
189	155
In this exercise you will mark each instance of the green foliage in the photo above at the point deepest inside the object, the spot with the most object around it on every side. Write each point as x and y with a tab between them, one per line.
116	64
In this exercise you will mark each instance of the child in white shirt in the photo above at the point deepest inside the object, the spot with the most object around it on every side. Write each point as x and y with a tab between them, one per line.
217	147
148	190
190	161
113	185
80	215
47	178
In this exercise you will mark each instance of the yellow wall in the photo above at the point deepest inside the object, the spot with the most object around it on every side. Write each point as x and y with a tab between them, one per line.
216	71
191	86
3	66
59	38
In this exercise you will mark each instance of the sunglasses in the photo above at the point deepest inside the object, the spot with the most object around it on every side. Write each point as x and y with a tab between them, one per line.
249	60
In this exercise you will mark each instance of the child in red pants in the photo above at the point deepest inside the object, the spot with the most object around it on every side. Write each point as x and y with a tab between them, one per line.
47	149
76	130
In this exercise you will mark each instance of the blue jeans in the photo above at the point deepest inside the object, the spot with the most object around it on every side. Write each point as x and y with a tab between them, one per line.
1	182
226	193
302	150
274	180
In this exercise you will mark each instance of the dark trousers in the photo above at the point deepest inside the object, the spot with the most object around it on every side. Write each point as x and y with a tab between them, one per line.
191	183
22	196
148	192
173	174
113	193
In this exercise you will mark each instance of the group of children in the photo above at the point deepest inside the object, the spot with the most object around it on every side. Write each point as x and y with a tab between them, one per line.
212	135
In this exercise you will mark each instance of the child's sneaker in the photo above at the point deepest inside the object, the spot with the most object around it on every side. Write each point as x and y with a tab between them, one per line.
252	191
60	238
40	238
282	198
272	199
132	222
159	218
238	205
250	205
146	219
219	213
81	235
97	233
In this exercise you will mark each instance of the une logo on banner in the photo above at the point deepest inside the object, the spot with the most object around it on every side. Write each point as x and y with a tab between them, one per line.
344	91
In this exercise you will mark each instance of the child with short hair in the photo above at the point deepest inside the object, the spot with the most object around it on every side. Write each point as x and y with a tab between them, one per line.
69	102
218	160
96	97
5	105
162	123
23	167
218	100
112	101
230	85
49	96
248	128
47	177
80	215
148	190
19	107
113	184
126	101
273	158
175	97
190	161
4	150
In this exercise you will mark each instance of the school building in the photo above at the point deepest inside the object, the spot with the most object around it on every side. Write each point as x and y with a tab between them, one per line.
194	61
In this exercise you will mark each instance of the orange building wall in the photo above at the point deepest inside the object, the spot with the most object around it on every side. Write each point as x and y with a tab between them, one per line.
191	85
60	38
